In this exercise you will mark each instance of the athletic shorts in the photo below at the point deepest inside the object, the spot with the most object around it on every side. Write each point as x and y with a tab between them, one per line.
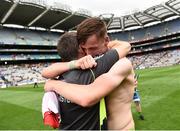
136	96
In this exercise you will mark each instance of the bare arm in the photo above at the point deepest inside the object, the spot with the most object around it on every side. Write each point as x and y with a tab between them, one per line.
122	47
87	95
56	69
86	62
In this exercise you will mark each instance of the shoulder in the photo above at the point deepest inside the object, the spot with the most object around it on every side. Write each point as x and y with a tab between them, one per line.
108	59
78	76
112	53
124	63
122	66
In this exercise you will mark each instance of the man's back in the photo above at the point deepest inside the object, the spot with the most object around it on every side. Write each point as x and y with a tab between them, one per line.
76	117
73	116
119	105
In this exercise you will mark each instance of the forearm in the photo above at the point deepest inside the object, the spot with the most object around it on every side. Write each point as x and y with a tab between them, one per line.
85	95
55	70
73	92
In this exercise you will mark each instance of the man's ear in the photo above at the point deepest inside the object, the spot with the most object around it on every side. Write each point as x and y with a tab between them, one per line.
107	39
82	49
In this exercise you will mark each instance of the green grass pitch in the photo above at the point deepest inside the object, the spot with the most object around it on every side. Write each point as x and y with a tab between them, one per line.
159	88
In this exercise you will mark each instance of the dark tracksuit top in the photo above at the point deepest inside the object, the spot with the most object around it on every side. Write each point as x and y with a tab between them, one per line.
73	116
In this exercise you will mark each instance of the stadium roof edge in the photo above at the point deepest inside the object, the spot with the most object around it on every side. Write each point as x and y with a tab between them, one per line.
157	13
58	18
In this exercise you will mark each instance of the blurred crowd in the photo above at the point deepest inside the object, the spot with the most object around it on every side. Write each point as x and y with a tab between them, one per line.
15	75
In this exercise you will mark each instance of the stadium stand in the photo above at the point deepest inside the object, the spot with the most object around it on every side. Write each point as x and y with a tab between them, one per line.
15	75
22	46
28	37
160	59
153	46
153	33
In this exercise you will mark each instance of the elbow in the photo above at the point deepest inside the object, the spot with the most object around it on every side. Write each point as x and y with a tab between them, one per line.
45	73
86	102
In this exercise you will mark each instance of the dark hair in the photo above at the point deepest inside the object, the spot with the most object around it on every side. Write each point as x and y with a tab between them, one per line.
67	46
89	27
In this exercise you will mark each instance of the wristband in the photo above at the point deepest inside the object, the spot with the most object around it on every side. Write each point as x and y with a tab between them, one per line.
71	65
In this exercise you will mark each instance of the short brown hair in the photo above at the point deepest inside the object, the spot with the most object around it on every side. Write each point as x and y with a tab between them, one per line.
90	27
67	46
